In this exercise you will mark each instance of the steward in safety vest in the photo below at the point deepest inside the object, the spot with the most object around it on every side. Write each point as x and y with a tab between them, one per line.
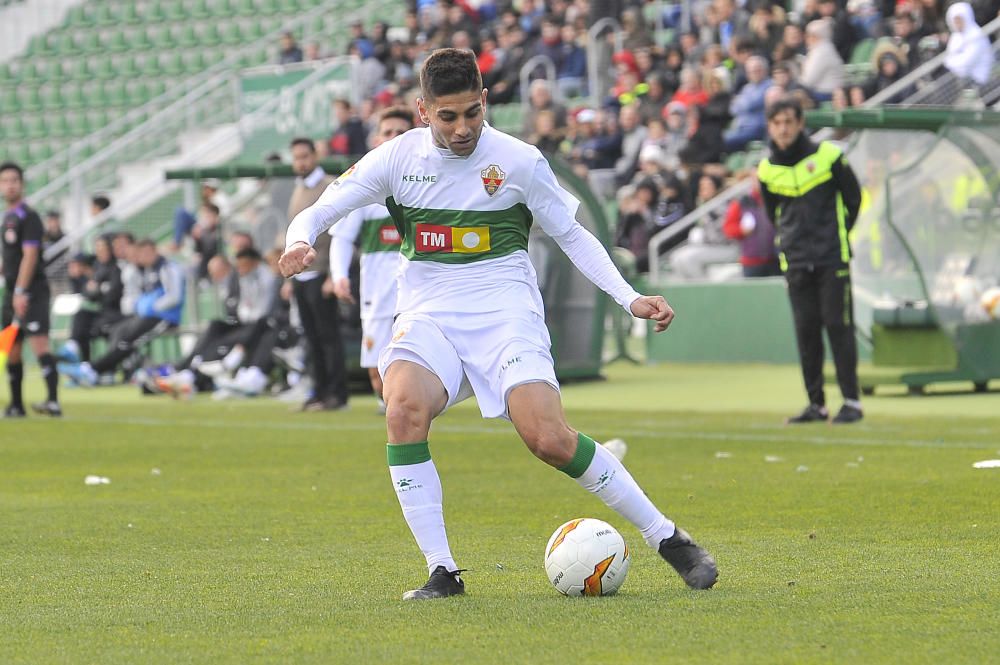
813	197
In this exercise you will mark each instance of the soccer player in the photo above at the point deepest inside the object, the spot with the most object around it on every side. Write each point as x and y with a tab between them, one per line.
470	317
379	246
26	298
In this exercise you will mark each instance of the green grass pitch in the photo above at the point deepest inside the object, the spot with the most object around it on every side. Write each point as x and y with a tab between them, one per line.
266	536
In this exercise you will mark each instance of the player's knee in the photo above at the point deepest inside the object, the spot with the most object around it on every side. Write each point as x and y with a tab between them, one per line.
551	444
407	419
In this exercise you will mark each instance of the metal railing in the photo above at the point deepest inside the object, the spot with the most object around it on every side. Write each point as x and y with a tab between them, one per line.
175	102
156	186
530	66
596	60
927	77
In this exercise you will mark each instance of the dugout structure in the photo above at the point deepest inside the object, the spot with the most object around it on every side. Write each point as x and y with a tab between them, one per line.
927	243
574	308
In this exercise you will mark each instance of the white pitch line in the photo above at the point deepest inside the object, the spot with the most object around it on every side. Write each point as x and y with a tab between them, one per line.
379	426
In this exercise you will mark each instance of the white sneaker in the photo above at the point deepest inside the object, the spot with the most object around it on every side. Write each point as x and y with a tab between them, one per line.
250	381
212	369
233	359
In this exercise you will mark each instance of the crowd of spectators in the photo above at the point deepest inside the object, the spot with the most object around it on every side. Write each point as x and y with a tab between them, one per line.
686	89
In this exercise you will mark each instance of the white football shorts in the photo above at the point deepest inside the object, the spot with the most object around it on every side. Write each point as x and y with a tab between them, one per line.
486	355
375	336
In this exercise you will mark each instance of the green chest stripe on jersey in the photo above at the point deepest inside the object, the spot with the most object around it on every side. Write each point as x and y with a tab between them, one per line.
378	235
460	236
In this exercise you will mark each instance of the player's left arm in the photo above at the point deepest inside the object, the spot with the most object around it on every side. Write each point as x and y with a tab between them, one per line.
555	210
849	188
31	248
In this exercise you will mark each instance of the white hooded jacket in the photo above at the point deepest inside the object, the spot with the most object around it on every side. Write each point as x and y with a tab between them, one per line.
969	54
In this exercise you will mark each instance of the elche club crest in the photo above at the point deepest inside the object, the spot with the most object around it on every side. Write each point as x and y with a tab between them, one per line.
493	176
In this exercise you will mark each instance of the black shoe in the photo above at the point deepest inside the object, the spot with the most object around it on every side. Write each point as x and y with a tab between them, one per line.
694	564
847	415
441	584
813	413
49	408
324	404
14	412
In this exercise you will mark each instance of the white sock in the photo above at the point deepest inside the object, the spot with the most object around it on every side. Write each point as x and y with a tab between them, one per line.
606	477
418	489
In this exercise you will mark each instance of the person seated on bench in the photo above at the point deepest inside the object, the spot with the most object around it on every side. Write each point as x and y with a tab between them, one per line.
157	310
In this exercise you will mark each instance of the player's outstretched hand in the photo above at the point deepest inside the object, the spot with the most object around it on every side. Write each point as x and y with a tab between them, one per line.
654	308
296	258
342	289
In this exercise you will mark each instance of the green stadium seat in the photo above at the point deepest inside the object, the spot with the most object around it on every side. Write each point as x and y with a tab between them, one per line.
28	72
79	71
56	126
199	9
130	14
245	7
289	8
187	38
9	103
114	93
210	35
139	40
39	151
175	11
65	45
252	32
14	128
231	35
35	126
89	42
96	119
149	65
104	14
172	64
77	123
221	8
77	18
862	52
127	67
18	152
72	94
115	41
101	68
159	36
50	96
154	13
28	98
267	7
194	62
5	73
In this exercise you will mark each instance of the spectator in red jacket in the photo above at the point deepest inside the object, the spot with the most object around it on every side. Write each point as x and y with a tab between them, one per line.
747	222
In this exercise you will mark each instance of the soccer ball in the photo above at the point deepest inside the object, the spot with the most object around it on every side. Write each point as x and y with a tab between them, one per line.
991	302
586	557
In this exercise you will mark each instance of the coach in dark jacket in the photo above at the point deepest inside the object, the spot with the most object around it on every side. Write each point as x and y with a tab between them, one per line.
813	197
102	310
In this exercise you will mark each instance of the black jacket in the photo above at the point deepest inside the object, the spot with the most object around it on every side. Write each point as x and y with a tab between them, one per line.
107	287
813	197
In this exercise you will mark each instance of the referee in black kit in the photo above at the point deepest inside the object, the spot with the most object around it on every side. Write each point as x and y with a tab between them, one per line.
26	294
814	198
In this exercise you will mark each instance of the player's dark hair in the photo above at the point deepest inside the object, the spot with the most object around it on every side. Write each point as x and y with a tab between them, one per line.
301	140
785	104
248	253
449	71
12	166
146	242
128	236
398	112
102	202
211	207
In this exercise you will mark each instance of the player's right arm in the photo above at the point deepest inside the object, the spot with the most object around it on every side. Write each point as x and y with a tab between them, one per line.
360	185
345	233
